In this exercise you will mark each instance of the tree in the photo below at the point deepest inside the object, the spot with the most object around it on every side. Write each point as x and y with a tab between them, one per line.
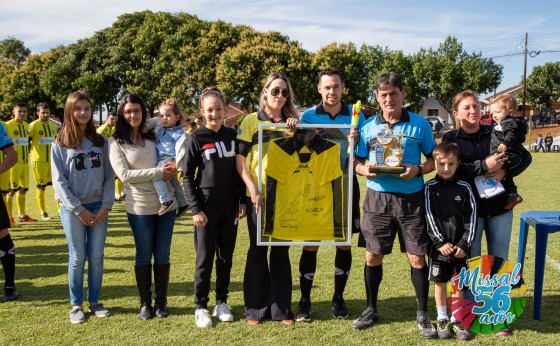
449	70
243	68
13	51
543	85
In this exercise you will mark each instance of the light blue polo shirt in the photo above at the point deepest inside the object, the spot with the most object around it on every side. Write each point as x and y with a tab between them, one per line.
5	139
318	116
418	139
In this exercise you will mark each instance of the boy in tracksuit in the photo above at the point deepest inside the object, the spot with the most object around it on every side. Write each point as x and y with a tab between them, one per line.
452	222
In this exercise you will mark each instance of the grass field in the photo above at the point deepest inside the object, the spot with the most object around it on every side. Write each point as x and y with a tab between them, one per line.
40	316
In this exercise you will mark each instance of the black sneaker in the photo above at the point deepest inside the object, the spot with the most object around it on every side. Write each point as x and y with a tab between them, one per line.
181	211
460	331
427	330
339	308
10	294
443	327
304	311
368	317
166	206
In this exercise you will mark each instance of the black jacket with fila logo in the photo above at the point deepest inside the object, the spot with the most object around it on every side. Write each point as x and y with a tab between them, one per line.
210	165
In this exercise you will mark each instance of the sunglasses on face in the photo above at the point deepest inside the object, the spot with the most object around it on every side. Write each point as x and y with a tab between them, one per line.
276	91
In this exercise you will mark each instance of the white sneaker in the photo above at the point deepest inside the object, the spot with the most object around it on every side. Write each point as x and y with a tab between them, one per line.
202	318
223	312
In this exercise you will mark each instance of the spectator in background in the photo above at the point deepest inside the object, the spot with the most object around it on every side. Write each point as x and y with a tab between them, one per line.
41	135
438	127
539	144
548	142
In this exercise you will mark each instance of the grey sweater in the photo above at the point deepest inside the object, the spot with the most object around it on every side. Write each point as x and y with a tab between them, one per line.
82	176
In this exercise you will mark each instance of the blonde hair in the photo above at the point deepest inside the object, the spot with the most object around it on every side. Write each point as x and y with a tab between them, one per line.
461	96
509	102
289	109
175	108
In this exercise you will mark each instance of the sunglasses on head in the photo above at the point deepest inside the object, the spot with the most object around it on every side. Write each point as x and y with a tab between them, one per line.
276	91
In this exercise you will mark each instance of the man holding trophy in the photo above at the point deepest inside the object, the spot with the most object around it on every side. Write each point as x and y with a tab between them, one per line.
389	154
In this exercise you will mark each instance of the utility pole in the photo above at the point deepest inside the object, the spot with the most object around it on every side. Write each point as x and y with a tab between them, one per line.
525	88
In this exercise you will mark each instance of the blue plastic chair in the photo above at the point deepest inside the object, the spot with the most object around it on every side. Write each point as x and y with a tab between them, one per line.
544	222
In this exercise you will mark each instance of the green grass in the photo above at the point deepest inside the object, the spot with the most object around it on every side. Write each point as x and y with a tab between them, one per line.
40	316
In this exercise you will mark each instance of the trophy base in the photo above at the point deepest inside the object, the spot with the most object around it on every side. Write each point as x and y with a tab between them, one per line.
386	170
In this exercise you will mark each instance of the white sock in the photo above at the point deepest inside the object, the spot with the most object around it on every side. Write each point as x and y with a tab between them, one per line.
442	313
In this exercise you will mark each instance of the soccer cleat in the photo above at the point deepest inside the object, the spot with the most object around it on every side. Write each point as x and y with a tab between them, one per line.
45	217
368	317
427	330
443	327
26	218
202	318
304	311
339	308
13	223
223	312
504	332
460	332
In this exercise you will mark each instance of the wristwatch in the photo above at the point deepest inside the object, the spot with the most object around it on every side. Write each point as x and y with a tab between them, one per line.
420	173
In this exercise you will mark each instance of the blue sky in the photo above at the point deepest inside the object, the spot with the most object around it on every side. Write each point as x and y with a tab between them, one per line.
494	28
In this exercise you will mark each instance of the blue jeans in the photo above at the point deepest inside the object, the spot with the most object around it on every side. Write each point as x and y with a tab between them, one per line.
152	237
84	242
498	235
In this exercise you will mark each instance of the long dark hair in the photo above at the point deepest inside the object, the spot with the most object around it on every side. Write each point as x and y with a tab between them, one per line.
70	135
123	130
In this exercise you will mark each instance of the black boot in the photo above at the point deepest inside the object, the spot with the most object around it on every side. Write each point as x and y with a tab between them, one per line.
161	279
144	284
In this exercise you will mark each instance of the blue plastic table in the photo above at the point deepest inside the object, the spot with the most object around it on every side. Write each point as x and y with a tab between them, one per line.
544	222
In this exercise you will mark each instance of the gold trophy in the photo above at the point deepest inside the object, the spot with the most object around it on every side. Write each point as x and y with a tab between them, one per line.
388	152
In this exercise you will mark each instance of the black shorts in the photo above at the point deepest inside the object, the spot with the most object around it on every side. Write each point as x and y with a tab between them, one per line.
442	271
4	219
355	205
388	214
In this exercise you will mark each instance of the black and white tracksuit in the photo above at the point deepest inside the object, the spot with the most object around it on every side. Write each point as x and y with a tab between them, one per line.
450	214
212	185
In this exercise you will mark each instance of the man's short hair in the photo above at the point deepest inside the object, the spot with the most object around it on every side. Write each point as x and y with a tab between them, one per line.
20	104
446	149
112	112
43	105
329	72
389	78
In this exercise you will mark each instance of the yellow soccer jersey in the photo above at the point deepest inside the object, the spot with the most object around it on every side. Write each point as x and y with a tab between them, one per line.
19	134
41	136
304	189
248	136
105	130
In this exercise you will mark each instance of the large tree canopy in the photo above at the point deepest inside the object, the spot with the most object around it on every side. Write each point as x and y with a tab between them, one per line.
160	55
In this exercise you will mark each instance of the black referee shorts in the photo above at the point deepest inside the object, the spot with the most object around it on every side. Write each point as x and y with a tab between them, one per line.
388	214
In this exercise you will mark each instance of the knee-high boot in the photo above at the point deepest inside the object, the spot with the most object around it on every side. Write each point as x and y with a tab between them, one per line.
161	280
144	284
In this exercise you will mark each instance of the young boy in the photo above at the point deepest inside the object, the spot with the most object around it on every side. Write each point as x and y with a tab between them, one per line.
508	136
170	147
452	221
